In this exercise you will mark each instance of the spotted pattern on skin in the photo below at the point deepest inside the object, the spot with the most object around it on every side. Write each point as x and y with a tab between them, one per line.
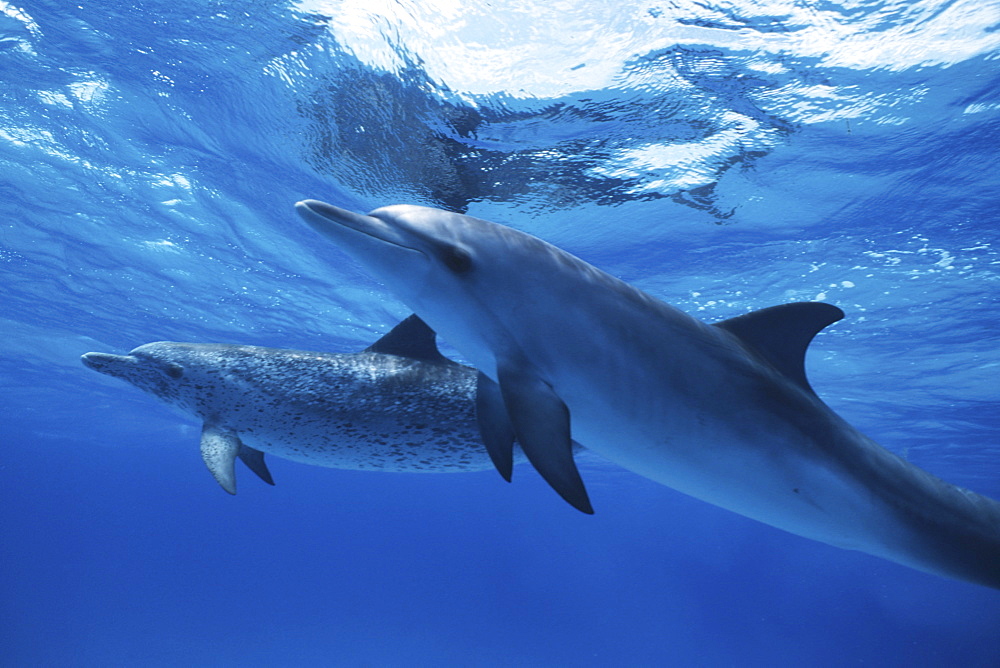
364	411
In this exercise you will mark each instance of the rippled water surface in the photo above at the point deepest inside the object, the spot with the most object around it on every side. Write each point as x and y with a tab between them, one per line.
722	156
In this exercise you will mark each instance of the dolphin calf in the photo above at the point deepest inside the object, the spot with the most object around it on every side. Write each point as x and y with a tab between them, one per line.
397	406
721	412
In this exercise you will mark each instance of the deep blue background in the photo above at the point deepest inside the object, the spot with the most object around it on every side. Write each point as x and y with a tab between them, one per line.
737	156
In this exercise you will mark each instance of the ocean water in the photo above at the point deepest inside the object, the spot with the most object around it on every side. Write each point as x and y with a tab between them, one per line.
723	156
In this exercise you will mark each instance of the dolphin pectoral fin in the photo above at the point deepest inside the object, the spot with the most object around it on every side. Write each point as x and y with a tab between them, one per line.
254	460
219	449
494	425
541	424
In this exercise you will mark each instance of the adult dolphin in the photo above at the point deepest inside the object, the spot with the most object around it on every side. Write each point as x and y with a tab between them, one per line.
723	413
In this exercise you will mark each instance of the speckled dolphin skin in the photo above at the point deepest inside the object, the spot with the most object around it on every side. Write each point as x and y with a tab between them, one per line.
397	406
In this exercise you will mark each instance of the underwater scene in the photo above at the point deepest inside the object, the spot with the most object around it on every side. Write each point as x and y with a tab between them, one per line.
224	441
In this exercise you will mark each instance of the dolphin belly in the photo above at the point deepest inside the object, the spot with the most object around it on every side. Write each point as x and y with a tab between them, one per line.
386	434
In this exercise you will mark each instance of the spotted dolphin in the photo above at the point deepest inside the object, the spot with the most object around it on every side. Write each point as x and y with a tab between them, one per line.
723	413
397	406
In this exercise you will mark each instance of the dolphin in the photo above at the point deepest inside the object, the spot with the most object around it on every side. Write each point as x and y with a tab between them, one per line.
399	405
721	412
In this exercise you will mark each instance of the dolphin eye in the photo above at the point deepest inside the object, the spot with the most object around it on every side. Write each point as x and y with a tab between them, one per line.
174	371
457	259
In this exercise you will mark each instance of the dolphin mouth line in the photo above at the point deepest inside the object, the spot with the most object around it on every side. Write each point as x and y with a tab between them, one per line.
319	215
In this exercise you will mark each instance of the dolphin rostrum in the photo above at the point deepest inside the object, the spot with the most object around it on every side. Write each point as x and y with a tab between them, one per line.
723	413
397	406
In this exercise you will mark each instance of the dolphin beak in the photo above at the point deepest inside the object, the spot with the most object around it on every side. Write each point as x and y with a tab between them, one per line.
105	362
331	221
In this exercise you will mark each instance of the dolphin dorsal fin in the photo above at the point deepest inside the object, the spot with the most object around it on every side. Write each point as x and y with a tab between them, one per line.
781	334
411	338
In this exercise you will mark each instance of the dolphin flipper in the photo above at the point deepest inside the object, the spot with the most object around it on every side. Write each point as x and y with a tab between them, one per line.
254	460
494	425
541	423
219	449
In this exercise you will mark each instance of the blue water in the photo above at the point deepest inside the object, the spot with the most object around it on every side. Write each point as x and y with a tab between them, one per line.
721	156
